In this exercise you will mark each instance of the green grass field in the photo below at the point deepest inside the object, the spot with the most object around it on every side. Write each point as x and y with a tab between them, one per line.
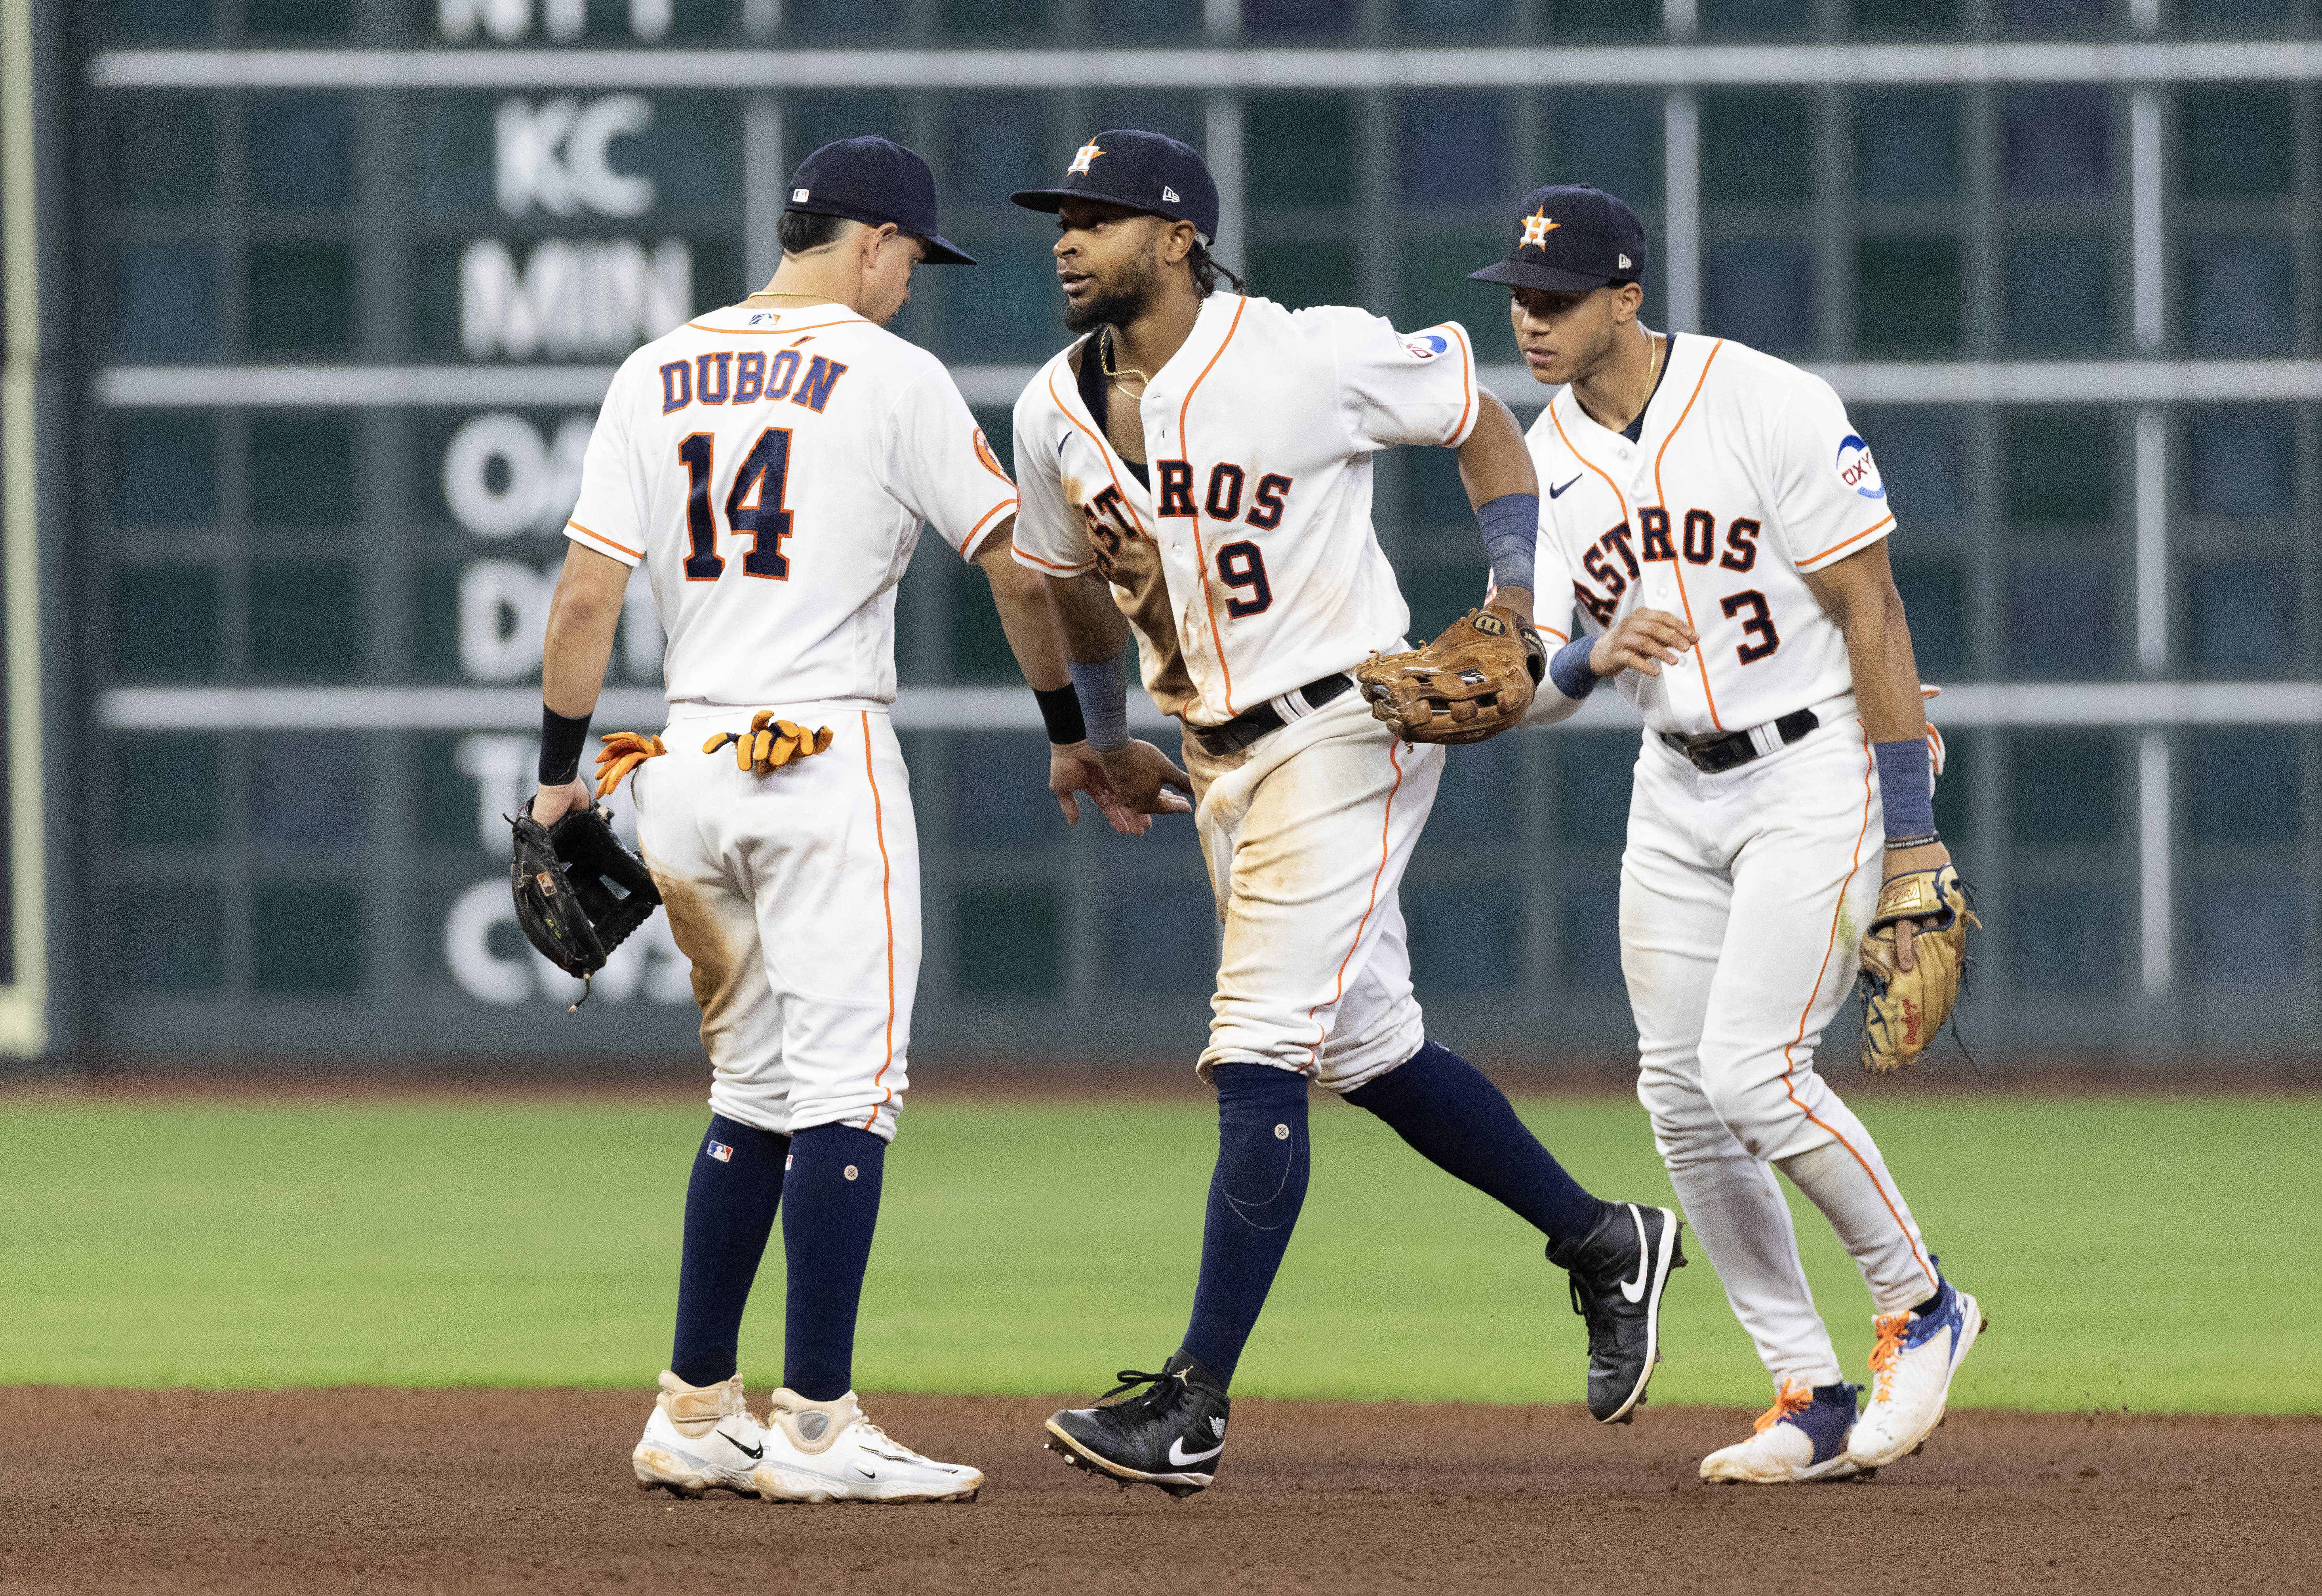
2148	1253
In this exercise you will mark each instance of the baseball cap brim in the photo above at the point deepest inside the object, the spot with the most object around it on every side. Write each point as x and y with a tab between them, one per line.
1556	279
1052	200
940	250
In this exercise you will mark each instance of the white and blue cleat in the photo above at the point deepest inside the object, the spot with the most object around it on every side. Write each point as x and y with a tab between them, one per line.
1911	1370
1801	1437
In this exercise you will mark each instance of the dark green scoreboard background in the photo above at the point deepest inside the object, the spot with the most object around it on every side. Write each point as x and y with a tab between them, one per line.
336	284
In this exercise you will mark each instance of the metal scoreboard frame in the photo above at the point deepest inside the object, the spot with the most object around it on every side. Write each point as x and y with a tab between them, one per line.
541	325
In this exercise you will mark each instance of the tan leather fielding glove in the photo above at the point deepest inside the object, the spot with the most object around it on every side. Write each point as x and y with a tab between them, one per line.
1474	681
622	752
769	743
1902	1011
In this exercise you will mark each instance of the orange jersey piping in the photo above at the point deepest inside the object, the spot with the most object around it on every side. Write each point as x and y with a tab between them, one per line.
1200	555
1678	566
1386	851
1858	537
1789	1061
609	542
887	907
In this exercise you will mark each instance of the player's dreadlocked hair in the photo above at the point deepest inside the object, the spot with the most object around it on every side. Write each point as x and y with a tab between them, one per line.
1207	271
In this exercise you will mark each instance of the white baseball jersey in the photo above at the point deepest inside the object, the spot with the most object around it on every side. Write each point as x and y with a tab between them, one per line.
1248	567
1746	474
772	470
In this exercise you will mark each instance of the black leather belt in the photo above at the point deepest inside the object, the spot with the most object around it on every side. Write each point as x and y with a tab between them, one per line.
1725	749
1249	726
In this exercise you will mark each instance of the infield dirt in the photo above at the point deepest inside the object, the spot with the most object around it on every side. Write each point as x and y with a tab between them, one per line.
367	1489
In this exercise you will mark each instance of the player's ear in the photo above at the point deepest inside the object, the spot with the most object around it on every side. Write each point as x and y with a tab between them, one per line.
1178	242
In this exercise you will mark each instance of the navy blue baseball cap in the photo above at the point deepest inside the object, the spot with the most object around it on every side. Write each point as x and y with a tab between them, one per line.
874	181
1569	240
1149	173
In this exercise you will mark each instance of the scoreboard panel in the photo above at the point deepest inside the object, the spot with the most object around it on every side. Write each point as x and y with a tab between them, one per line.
339	283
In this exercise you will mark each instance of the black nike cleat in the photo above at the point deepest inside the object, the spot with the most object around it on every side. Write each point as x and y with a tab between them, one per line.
1168	1434
1619	1271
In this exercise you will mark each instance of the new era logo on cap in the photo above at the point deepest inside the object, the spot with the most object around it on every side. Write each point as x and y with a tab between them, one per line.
1168	194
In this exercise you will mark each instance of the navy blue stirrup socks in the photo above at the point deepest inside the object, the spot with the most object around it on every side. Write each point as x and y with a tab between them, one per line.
831	1211
1446	1107
729	1211
1263	1160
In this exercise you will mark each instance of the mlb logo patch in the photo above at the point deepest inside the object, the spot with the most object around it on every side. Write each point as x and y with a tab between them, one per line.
721	1152
798	196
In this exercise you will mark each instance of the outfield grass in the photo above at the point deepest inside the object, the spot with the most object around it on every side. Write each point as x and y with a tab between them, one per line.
2144	1253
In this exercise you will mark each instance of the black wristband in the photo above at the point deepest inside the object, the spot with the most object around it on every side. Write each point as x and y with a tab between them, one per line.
562	739
1060	711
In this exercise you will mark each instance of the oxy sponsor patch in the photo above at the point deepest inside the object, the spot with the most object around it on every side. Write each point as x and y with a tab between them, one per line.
1857	470
1427	345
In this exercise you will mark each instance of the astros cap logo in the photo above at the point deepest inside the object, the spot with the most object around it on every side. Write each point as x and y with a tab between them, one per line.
1536	229
1088	152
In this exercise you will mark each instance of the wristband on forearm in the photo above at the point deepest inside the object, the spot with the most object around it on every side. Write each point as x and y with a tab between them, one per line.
562	739
1511	525
1060	712
1102	687
1570	670
1907	786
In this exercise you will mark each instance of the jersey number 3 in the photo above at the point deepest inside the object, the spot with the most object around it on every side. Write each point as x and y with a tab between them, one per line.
753	508
1758	622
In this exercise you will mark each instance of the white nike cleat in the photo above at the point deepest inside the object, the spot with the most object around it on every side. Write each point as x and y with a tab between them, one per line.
699	1436
1912	1367
1800	1437
828	1451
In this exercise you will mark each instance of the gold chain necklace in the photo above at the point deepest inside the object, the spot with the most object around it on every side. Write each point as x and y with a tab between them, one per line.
1112	372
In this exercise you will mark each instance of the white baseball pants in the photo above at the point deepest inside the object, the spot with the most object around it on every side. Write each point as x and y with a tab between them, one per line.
1743	896
796	895
1306	833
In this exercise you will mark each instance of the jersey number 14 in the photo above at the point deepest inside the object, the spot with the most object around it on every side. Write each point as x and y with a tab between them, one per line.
753	506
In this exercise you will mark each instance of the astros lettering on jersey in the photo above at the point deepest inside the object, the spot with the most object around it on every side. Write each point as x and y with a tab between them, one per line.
770	469
1753	477
1250	566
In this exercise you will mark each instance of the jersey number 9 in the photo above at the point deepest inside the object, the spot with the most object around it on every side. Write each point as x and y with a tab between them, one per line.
1241	565
753	507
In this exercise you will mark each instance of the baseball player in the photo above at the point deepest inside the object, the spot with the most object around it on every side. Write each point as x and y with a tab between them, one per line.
1197	469
771	465
1721	528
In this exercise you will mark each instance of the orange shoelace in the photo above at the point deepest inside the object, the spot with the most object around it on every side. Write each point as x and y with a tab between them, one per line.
1887	1351
1794	1399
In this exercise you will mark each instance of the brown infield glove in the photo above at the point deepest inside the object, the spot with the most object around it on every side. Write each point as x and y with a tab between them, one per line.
1902	1012
1475	681
769	743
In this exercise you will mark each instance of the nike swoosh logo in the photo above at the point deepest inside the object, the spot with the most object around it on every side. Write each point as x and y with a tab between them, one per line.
1635	1292
866	1473
1559	492
749	1452
1179	1457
